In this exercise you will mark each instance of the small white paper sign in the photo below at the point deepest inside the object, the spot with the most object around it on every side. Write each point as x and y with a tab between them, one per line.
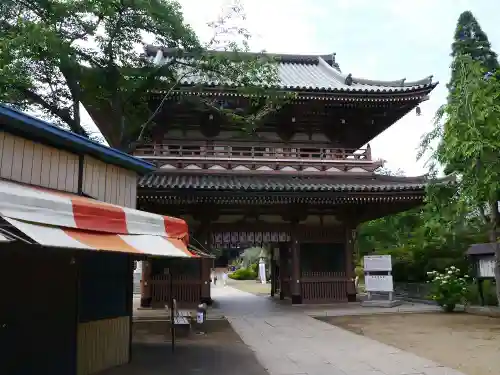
378	283
199	317
377	263
487	267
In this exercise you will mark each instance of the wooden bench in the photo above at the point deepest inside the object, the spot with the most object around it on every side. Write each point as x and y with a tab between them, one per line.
182	318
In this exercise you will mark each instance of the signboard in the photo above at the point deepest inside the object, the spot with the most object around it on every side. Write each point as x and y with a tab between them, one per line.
379	283
372	263
486	267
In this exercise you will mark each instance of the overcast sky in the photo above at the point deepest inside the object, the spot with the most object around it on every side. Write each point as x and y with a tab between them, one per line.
375	39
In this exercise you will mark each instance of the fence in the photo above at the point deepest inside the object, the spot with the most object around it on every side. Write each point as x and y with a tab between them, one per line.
419	291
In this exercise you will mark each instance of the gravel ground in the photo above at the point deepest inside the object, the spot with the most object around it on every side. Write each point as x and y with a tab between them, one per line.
468	343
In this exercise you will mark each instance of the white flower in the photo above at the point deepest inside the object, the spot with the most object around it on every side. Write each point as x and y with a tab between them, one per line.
452	267
450	272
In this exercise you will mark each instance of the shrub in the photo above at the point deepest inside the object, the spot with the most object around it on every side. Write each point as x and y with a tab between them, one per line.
254	268
243	274
449	288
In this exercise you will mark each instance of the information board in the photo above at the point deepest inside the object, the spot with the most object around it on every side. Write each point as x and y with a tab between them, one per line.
378	283
373	263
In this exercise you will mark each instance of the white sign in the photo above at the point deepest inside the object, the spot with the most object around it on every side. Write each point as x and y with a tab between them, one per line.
199	317
377	263
487	267
378	283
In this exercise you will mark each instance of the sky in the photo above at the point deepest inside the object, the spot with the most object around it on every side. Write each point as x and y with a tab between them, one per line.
382	40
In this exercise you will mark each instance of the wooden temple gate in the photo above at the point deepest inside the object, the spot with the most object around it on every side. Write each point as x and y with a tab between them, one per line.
302	267
300	183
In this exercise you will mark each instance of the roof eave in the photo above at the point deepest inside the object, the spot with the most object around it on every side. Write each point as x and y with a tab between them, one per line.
422	92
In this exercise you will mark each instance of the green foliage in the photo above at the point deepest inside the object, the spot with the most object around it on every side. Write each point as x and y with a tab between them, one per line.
470	40
244	274
427	238
252	256
449	288
467	130
254	268
56	54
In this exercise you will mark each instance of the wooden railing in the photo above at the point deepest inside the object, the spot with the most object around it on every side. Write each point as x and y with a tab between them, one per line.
323	287
186	290
204	151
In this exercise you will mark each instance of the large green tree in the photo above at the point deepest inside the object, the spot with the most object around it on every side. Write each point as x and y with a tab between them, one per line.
56	54
469	40
468	125
468	132
472	41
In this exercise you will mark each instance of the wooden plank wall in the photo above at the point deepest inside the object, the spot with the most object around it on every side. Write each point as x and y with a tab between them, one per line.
102	344
109	183
36	164
33	163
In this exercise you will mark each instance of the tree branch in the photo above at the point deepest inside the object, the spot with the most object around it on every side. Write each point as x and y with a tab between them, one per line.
53	110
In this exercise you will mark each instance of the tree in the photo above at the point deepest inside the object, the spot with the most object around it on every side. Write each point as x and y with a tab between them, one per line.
471	40
470	134
431	237
55	54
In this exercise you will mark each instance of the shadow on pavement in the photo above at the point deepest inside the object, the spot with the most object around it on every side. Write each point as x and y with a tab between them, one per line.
220	351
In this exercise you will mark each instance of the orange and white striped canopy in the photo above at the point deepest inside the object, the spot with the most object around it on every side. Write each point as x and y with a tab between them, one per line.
58	219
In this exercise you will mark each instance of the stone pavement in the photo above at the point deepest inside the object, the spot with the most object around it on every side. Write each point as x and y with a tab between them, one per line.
287	341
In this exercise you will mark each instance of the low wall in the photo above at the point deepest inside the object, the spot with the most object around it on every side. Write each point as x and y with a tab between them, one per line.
102	344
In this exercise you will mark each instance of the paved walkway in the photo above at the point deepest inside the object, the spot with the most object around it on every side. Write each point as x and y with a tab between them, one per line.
287	341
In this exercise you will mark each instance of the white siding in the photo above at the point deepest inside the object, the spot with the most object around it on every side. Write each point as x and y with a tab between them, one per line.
109	183
32	163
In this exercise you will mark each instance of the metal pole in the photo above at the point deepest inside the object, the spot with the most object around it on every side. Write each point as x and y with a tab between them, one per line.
172	312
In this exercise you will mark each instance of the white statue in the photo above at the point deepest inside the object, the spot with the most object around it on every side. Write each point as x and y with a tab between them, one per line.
262	271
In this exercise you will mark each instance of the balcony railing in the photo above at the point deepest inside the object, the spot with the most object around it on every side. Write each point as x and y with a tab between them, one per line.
250	152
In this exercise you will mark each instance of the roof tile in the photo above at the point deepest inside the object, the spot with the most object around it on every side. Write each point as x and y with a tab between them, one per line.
308	73
275	184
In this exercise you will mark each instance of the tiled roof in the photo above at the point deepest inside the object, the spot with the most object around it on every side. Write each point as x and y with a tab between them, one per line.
306	72
277	184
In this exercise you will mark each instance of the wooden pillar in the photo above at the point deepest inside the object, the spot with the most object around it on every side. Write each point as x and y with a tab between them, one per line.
273	271
350	238
283	271
206	265
146	292
296	289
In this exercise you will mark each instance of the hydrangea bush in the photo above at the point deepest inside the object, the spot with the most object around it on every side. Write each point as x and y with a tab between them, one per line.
449	288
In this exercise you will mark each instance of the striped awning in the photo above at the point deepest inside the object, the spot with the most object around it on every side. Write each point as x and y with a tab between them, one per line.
57	219
3	238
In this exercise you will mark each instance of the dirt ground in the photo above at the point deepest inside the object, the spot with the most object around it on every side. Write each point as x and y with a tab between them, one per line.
251	286
468	343
219	351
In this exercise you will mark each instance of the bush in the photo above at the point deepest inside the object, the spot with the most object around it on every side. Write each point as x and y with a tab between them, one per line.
255	268
243	274
449	288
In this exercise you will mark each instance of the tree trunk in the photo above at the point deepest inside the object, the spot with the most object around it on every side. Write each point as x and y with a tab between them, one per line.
495	221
